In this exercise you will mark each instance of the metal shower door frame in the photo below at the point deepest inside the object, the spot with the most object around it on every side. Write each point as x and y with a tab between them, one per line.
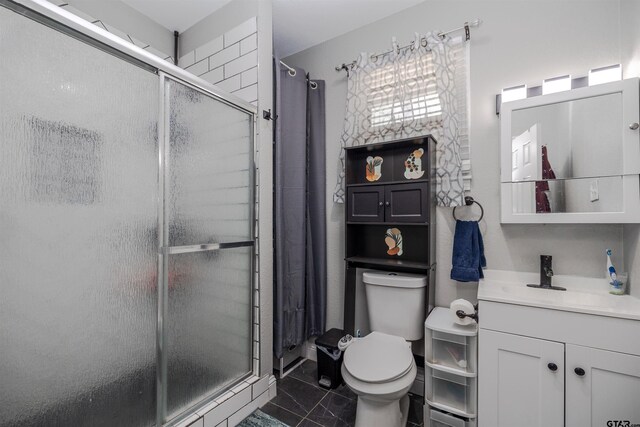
163	238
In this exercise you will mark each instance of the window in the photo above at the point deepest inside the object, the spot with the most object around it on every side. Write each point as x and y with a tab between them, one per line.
403	91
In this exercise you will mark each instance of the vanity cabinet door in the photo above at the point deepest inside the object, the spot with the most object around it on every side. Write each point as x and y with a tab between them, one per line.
602	386
521	381
365	203
407	203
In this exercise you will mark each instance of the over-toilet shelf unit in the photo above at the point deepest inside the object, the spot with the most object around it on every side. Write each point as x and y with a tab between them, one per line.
451	371
389	213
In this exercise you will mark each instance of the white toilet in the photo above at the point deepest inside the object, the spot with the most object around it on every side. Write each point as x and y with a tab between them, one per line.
380	367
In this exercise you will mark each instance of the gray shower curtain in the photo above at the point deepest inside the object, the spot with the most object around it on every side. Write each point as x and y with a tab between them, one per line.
300	208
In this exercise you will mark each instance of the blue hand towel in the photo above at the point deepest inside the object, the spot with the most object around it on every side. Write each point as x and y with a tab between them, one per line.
468	252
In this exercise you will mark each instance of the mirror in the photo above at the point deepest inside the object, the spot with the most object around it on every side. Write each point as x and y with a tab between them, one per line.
566	153
573	139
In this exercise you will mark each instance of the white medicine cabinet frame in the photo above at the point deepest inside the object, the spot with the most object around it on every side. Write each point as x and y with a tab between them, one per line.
601	124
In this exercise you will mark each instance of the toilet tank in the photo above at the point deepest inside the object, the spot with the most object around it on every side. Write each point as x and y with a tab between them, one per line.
396	303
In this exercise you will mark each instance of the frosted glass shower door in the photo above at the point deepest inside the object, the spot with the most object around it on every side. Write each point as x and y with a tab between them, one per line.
208	240
78	232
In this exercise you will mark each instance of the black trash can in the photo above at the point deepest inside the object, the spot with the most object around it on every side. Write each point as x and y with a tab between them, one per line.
329	358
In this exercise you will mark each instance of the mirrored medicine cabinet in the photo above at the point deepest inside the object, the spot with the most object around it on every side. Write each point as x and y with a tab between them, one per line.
573	156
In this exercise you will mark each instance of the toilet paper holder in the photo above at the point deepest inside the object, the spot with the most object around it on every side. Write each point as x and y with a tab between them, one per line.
461	314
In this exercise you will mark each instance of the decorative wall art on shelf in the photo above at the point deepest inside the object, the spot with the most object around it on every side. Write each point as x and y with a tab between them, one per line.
374	168
393	239
413	165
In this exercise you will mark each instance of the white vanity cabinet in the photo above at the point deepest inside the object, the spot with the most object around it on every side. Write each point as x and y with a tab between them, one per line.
552	359
516	386
608	390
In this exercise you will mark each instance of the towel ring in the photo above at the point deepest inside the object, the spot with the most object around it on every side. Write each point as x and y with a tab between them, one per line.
468	201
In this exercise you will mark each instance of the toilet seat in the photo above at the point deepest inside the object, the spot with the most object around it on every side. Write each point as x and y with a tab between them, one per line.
378	358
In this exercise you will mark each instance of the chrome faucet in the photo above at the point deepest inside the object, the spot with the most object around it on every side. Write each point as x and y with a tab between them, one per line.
546	274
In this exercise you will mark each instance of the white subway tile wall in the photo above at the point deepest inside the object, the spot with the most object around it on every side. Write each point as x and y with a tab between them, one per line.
230	84
243	63
227	54
229	61
240	32
249	77
228	408
249	44
200	67
259	387
209	49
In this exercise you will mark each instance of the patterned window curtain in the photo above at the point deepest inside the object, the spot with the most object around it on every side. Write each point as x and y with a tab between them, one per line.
410	93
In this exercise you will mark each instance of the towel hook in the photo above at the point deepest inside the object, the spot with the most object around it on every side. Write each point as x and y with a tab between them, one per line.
468	201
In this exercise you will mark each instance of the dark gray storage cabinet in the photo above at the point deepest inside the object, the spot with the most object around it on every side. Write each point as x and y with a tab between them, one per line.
366	203
388	203
389	199
406	203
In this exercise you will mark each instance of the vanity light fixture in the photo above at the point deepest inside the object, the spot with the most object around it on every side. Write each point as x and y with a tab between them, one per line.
514	92
556	84
606	74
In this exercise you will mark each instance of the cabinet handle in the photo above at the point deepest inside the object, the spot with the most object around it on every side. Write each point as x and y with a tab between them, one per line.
634	126
579	372
387	203
552	366
380	203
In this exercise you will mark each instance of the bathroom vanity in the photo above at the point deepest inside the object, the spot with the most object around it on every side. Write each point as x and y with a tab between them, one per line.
556	358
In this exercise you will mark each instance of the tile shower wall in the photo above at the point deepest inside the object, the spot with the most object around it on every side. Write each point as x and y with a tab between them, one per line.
235	405
230	61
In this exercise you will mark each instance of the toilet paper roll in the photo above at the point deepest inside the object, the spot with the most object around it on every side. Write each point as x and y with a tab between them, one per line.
466	307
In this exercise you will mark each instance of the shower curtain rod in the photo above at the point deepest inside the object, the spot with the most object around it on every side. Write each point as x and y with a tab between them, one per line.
465	27
293	72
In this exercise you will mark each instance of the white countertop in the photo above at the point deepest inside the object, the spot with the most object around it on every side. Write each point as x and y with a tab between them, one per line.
583	295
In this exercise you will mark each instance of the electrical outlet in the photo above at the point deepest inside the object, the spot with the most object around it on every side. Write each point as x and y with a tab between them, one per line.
594	193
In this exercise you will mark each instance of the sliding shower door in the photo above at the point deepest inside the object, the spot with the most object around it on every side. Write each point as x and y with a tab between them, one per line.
78	232
126	232
209	244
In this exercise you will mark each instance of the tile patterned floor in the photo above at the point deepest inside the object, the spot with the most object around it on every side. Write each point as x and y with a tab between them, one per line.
302	403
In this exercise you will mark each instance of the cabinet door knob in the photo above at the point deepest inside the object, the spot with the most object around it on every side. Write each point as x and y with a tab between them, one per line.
579	372
634	126
387	203
552	366
380	203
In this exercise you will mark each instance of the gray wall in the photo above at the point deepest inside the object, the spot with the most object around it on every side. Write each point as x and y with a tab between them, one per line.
127	19
518	42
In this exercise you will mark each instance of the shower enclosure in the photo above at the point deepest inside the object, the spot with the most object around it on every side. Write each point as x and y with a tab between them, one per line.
126	229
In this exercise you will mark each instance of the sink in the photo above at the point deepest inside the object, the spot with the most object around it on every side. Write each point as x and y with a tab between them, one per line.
584	294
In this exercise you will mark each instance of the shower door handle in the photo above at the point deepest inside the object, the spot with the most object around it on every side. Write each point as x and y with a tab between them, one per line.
172	250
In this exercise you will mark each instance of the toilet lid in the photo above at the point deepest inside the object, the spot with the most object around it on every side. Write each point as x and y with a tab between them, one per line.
378	358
